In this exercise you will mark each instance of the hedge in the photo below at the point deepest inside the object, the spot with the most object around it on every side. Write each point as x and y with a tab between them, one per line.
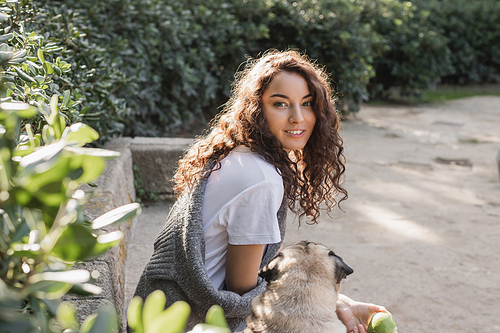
159	67
473	32
413	54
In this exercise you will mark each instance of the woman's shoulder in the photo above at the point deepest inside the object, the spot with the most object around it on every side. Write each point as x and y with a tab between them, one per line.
242	162
243	175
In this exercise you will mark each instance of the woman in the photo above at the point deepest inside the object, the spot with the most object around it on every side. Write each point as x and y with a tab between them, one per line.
276	144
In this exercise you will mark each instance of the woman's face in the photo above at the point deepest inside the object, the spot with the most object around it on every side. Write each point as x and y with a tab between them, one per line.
288	110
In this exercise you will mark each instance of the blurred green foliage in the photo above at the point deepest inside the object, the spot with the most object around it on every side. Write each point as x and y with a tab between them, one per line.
152	317
43	231
160	67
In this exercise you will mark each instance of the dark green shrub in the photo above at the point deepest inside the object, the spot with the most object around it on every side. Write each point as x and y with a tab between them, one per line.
159	67
472	29
178	56
35	71
414	54
331	32
59	59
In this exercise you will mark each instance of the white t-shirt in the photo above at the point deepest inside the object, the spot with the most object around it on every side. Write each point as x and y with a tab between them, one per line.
240	207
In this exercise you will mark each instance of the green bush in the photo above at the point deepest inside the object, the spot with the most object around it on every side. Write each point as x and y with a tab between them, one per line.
32	68
178	56
160	67
154	318
58	58
331	32
43	231
472	29
413	55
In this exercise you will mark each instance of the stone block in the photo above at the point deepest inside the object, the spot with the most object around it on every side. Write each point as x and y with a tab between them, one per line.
88	305
157	159
115	188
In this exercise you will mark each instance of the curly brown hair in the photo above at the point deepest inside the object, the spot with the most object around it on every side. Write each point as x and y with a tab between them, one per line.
311	176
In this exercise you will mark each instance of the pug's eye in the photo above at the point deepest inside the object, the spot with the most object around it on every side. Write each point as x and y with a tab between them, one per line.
331	253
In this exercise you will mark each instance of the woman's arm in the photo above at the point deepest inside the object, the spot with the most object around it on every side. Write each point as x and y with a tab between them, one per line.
242	267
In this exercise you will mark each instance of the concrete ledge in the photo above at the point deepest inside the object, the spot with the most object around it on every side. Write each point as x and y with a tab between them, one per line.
115	188
157	159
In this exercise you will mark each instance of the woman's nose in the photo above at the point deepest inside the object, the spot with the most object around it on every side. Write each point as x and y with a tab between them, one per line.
296	116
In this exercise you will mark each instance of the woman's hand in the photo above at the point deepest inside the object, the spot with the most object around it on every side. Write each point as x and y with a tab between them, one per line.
356	315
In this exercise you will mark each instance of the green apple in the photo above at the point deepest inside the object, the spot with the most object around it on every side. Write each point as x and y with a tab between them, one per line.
382	322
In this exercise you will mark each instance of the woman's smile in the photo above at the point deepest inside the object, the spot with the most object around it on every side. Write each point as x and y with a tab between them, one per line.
295	132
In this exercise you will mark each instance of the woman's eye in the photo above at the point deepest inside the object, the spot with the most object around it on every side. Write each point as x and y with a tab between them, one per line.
279	104
308	104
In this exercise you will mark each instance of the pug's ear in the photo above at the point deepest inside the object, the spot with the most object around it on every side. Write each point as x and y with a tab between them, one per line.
270	272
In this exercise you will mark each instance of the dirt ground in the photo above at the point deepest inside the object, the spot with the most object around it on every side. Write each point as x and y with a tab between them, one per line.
421	227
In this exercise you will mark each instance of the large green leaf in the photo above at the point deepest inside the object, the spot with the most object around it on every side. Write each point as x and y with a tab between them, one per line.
153	307
215	316
48	289
104	153
76	243
23	150
91	167
53	171
53	285
134	315
66	315
53	194
172	320
79	134
105	242
88	323
119	214
43	158
22	110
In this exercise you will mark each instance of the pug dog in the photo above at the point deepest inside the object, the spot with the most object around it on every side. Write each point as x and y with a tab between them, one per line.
303	283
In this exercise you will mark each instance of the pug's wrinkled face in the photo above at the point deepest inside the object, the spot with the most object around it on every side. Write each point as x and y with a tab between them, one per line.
305	263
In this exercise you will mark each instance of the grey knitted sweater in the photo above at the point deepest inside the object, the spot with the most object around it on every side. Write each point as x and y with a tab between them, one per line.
177	266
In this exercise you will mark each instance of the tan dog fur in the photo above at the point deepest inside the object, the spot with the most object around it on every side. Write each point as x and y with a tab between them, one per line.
302	292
